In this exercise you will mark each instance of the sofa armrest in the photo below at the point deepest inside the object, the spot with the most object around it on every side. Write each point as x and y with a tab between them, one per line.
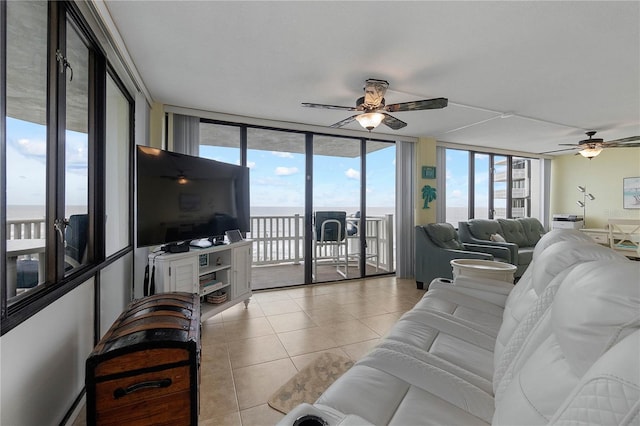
331	416
498	251
492	291
468	238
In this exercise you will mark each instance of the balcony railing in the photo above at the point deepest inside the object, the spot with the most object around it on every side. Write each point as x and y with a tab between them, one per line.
276	239
22	229
280	239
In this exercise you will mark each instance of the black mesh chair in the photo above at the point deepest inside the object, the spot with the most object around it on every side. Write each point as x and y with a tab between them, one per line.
75	236
330	242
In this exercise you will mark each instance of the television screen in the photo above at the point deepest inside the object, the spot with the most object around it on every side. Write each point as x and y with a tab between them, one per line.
182	198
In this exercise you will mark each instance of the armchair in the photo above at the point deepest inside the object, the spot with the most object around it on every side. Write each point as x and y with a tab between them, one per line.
438	243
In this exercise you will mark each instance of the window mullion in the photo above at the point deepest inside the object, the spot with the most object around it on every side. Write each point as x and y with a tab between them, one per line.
55	144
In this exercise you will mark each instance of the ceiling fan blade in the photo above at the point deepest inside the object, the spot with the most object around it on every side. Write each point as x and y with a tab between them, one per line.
323	106
344	122
392	122
623	141
557	150
569	144
620	145
435	103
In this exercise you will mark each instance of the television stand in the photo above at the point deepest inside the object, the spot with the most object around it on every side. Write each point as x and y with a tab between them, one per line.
209	272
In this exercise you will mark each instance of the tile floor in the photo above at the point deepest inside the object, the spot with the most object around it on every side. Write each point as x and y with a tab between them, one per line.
247	354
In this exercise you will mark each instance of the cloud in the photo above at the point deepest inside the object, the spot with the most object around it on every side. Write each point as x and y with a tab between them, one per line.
282	154
251	164
32	148
286	171
352	174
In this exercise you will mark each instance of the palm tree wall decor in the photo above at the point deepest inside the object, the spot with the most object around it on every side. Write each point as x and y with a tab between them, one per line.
428	195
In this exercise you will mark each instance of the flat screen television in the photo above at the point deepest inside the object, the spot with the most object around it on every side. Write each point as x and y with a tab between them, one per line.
182	198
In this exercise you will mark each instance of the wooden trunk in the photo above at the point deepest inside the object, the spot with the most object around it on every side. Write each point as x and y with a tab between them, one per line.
145	370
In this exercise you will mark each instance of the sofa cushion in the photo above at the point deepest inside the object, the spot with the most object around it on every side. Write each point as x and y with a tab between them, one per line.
586	319
513	232
444	235
482	229
533	229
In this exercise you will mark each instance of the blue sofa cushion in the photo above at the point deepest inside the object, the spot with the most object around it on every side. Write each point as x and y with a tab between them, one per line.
444	235
533	229
513	232
482	229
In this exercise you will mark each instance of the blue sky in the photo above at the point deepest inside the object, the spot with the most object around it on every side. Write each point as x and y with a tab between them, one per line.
277	178
26	164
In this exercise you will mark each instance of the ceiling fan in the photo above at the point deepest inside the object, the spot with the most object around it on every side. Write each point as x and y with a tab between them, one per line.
373	110
591	147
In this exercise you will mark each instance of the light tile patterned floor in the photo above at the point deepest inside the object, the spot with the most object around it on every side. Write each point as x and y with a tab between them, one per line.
247	354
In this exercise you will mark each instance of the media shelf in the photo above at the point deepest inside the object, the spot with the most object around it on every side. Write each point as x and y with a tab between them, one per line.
205	271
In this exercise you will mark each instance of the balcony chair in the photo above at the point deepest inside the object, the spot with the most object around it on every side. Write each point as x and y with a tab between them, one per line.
330	242
355	226
75	235
438	243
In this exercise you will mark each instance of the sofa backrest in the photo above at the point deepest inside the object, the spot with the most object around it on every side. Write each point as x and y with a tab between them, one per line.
483	229
444	235
513	232
522	313
596	306
533	229
614	382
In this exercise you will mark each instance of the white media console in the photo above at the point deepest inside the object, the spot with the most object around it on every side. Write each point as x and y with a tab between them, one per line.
209	272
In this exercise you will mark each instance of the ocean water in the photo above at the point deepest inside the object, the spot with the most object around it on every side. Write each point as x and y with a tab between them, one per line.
21	212
16	212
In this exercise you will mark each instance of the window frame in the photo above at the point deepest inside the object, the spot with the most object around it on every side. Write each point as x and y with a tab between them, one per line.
56	285
471	153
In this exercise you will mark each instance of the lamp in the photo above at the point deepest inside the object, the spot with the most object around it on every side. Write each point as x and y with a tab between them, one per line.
585	195
370	120
590	152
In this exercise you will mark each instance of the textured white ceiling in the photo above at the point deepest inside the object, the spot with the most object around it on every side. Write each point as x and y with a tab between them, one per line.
560	67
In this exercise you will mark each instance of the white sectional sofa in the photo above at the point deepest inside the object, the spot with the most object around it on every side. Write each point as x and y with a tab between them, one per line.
560	347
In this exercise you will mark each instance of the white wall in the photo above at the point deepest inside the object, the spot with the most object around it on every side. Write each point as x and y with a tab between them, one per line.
116	290
42	360
602	176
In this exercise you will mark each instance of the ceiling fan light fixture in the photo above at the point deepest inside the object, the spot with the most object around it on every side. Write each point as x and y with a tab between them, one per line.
370	120
590	152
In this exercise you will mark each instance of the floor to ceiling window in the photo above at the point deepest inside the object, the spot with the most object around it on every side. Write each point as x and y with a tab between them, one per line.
285	168
337	169
277	162
481	173
57	207
220	142
457	186
491	186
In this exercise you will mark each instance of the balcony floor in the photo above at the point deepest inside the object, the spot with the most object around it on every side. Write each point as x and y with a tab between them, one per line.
284	275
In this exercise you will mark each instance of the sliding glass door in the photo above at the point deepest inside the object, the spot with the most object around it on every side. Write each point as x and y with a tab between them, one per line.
322	207
277	163
337	214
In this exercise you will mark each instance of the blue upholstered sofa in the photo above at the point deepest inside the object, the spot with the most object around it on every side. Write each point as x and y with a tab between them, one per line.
520	237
